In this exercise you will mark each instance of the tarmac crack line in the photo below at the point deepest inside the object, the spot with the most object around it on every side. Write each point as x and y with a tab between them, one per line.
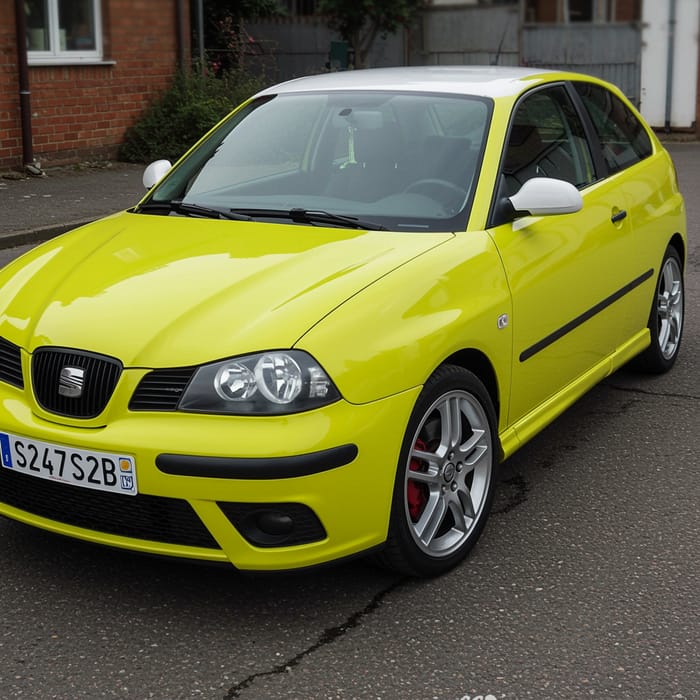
328	636
659	394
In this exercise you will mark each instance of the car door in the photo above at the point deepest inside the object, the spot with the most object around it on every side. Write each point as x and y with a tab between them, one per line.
647	177
567	273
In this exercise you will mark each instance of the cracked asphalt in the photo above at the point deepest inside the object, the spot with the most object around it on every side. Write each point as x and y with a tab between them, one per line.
584	583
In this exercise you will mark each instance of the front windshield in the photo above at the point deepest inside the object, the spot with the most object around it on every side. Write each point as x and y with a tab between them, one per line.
404	161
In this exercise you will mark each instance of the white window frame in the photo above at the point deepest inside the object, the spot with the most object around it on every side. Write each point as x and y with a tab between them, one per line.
57	55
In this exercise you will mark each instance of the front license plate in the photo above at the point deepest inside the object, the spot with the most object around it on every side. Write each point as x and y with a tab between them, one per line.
93	470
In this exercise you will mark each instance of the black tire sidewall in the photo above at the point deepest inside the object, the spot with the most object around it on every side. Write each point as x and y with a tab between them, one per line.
405	550
653	360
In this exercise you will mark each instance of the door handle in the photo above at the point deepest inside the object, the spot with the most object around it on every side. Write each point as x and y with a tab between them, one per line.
618	216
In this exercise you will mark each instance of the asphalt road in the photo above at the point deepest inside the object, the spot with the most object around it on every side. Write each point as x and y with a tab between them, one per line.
584	584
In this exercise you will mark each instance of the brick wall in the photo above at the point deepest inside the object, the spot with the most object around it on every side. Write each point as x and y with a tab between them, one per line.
628	10
81	112
10	134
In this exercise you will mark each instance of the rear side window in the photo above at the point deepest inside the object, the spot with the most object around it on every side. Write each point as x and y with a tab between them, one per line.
622	137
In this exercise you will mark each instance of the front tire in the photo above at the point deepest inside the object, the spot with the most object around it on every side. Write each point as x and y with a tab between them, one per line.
666	317
445	476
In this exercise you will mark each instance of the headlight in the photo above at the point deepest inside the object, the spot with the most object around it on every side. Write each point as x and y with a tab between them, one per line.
278	377
274	382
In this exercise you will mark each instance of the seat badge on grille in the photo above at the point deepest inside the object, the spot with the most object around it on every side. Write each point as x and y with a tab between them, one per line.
70	382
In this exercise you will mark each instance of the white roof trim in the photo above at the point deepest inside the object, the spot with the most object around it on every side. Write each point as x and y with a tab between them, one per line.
487	81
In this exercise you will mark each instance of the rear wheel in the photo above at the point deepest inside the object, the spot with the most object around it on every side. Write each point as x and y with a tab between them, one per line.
666	317
445	477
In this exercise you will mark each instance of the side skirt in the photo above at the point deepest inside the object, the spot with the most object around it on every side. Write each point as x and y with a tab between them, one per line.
529	425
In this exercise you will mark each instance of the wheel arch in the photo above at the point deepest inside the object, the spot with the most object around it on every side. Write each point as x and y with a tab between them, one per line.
479	364
679	244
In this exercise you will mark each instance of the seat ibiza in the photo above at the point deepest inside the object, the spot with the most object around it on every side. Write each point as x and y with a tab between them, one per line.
321	330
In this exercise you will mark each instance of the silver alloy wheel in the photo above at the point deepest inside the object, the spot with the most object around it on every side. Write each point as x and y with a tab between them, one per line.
448	474
669	306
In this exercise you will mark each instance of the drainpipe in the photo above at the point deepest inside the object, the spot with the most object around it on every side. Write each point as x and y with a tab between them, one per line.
24	94
181	37
200	35
669	63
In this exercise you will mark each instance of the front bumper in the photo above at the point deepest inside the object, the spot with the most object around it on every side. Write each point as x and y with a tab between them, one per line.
200	477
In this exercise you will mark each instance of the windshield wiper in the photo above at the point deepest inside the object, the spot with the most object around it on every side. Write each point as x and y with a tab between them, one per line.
312	216
208	212
320	216
194	210
298	215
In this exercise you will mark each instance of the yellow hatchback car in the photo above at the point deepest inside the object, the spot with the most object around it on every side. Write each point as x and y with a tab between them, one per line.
321	331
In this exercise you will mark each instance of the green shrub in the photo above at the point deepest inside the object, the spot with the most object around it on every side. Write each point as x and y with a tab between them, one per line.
184	113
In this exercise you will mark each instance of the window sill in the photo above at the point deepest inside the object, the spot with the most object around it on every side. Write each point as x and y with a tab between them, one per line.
47	62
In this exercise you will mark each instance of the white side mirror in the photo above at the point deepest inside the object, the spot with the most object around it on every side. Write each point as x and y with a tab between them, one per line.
155	172
543	196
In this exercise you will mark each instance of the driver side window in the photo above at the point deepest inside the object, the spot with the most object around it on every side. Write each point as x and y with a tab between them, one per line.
547	139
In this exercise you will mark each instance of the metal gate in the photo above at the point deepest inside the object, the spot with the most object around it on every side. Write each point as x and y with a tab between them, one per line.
609	51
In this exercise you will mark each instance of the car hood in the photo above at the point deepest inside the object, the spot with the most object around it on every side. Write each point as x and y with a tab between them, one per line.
159	291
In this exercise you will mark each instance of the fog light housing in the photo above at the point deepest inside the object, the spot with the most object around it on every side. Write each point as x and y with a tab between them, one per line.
274	524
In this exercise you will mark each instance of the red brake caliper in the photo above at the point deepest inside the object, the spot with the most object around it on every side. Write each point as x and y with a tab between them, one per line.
416	493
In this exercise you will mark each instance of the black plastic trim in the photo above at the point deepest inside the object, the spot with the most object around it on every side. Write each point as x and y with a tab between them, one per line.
257	467
304	524
585	316
11	364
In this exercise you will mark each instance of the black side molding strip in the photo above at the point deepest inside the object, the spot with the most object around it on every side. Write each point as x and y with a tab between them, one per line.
585	316
257	467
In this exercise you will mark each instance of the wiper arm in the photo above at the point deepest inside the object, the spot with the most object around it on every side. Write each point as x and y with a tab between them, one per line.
194	210
309	216
208	212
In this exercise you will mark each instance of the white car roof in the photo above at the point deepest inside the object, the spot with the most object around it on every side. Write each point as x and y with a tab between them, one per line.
486	81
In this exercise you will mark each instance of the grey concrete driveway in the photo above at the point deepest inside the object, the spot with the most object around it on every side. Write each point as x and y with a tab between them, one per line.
585	583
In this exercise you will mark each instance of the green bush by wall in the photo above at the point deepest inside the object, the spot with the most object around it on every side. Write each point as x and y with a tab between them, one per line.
184	113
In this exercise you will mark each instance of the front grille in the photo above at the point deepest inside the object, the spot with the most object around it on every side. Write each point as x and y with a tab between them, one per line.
143	517
161	390
10	364
101	374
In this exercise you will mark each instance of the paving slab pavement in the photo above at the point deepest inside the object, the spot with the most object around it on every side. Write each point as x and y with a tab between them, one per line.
35	209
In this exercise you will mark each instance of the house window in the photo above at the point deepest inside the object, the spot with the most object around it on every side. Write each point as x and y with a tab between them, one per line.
581	10
63	31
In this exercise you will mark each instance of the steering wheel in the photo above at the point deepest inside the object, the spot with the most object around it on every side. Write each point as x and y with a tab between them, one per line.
448	194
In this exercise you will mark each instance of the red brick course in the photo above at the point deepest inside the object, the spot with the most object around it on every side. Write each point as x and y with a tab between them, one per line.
80	112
